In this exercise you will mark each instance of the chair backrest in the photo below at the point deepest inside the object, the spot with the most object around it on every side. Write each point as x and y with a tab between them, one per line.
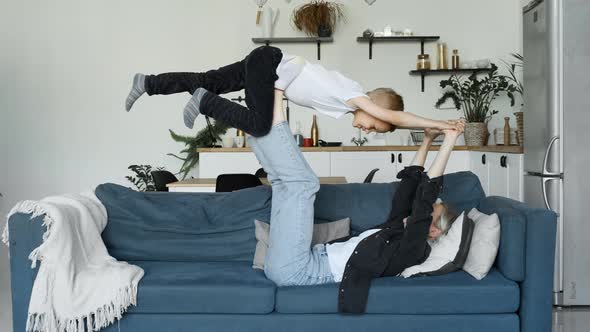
261	173
233	182
162	178
370	176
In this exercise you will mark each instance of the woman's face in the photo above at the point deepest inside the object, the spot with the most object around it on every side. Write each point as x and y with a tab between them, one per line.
435	231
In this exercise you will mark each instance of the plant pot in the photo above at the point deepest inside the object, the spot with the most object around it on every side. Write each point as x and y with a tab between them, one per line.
476	133
324	31
520	126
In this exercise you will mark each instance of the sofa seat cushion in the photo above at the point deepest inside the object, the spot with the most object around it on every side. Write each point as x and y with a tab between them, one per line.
454	293
203	287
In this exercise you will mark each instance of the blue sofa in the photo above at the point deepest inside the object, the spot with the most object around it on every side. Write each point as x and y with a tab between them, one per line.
197	250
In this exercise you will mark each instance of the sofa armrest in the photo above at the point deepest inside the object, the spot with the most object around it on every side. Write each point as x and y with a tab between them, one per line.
536	290
26	234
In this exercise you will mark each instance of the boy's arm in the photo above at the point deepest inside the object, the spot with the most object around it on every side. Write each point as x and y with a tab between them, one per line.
399	119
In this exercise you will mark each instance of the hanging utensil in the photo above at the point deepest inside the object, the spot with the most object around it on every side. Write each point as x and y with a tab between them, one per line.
260	4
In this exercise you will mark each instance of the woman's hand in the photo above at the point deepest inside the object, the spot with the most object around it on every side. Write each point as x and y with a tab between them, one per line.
432	133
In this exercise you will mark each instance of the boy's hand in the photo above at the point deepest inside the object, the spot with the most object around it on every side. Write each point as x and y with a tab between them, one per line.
456	132
432	133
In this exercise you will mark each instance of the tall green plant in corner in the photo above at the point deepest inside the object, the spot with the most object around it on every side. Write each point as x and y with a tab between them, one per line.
202	139
514	68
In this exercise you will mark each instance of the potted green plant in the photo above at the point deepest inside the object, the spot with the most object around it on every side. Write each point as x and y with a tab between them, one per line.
318	17
204	138
142	180
514	69
473	97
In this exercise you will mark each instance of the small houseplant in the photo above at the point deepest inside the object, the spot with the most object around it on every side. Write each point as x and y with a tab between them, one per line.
142	179
318	17
206	137
514	69
473	97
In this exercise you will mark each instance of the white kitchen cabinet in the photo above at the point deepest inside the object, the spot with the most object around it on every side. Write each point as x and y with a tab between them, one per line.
211	164
514	163
355	166
319	162
458	161
500	174
479	165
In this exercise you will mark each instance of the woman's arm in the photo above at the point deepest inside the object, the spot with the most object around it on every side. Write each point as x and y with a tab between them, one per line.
440	163
397	118
420	156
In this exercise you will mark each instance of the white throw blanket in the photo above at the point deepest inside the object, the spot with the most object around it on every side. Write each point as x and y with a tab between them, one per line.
77	279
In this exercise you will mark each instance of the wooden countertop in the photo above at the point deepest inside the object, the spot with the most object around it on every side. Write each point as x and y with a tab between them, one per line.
489	148
210	182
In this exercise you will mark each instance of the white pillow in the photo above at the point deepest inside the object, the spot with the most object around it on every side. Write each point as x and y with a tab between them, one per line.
448	253
485	243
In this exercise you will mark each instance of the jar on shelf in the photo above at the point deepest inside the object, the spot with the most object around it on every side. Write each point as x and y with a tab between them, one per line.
423	62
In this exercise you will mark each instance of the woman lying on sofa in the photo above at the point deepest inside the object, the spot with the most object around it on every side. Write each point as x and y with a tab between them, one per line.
386	250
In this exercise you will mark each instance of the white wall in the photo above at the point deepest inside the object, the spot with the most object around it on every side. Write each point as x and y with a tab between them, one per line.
66	67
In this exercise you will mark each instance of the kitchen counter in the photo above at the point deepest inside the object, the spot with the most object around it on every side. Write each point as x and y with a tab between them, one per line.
489	148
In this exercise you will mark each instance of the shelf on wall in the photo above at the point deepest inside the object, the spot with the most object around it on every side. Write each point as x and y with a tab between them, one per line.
285	40
421	39
424	72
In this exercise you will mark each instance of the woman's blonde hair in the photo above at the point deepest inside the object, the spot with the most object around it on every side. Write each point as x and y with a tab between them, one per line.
447	218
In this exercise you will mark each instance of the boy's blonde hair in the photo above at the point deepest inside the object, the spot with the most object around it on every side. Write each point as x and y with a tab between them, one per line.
393	100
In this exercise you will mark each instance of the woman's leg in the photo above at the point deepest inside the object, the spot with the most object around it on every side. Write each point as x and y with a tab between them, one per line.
259	84
290	259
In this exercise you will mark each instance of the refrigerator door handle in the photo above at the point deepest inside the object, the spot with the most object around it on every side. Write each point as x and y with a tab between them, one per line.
544	187
545	159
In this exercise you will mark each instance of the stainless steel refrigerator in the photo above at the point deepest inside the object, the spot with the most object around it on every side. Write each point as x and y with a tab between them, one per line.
557	133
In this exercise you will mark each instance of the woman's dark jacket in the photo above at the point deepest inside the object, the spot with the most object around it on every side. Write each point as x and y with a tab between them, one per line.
395	247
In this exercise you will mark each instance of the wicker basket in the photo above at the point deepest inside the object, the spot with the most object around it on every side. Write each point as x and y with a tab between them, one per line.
418	137
520	126
476	133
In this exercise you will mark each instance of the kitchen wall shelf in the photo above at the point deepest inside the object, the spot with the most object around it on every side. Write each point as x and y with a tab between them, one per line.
420	39
425	72
284	40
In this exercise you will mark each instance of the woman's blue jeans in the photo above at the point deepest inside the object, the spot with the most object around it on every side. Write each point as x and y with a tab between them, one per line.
290	260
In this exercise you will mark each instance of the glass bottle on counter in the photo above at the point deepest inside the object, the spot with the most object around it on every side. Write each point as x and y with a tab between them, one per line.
314	132
298	135
456	64
506	131
442	63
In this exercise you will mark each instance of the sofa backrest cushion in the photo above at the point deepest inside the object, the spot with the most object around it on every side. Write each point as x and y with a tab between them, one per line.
511	253
162	226
368	204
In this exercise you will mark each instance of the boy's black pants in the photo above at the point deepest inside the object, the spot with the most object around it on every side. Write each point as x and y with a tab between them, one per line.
256	74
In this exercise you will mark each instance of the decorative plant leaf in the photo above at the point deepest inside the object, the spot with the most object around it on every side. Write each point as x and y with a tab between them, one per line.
142	180
201	139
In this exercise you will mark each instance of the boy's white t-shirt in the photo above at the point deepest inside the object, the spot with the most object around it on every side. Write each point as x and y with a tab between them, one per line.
326	91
